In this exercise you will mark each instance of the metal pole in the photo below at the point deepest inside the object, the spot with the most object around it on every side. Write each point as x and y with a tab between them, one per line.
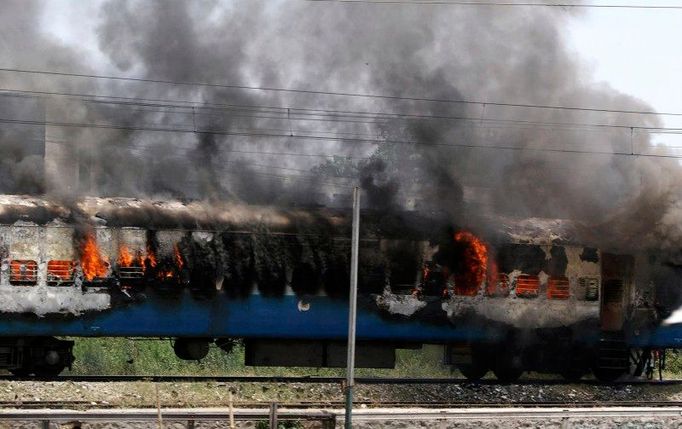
352	307
273	415
232	426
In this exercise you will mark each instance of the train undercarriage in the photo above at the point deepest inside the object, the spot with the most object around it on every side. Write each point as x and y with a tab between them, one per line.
38	356
609	359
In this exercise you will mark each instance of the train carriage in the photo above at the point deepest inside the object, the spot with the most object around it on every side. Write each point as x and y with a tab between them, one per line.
525	296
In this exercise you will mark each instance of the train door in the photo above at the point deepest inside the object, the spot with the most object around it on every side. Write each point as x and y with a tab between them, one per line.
616	280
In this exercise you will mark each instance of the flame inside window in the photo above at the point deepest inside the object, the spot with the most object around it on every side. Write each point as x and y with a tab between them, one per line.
558	288
473	270
130	265
60	272
527	286
23	272
93	263
167	268
498	283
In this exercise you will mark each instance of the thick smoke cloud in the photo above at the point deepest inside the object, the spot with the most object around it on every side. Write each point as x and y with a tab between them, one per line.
513	55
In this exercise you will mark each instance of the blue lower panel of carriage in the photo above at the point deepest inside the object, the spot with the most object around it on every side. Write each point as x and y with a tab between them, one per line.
665	336
254	317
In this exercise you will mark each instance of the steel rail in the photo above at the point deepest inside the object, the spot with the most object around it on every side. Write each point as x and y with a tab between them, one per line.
92	405
324	380
506	413
142	414
336	414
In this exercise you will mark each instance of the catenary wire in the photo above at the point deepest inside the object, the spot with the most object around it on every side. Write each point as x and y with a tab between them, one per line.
338	117
278	153
382	116
331	93
323	138
270	109
505	4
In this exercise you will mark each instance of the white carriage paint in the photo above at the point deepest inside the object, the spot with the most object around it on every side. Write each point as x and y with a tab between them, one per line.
523	313
539	312
403	305
42	300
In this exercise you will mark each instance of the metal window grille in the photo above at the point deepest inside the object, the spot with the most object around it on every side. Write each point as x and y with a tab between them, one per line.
60	272
591	286
130	273
23	272
558	288
527	286
613	291
499	286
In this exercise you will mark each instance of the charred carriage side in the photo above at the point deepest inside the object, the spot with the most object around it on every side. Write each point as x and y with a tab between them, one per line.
72	275
564	308
506	301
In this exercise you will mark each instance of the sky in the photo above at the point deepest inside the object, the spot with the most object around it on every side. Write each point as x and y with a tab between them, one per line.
498	56
636	51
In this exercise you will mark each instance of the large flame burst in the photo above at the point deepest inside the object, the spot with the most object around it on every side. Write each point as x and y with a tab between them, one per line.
165	270
92	261
127	259
475	263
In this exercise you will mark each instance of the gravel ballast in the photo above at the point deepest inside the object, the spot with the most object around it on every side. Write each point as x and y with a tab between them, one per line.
216	394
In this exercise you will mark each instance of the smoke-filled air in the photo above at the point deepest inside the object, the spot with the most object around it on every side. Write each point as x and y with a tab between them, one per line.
377	101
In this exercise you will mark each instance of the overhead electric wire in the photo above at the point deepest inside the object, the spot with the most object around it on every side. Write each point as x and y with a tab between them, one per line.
341	118
338	116
313	137
504	4
333	93
298	177
307	176
277	153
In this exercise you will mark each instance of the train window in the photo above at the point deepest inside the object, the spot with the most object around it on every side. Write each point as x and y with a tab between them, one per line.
558	288
60	272
527	286
591	287
23	272
613	291
498	286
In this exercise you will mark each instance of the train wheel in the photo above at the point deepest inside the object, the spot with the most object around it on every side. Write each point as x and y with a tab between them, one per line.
508	363
573	374
608	375
472	371
20	372
49	370
507	374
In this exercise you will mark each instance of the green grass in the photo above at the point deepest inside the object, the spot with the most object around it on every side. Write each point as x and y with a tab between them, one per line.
122	356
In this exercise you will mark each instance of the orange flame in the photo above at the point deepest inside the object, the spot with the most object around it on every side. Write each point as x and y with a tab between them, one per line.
92	261
127	259
475	264
165	270
178	257
151	257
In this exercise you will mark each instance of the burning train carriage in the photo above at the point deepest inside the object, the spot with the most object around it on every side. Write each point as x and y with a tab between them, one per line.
525	297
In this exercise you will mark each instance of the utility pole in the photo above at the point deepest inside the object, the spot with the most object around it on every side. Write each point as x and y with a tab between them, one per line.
352	308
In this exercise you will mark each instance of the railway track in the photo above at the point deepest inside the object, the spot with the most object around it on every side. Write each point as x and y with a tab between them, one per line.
334	415
95	405
319	380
